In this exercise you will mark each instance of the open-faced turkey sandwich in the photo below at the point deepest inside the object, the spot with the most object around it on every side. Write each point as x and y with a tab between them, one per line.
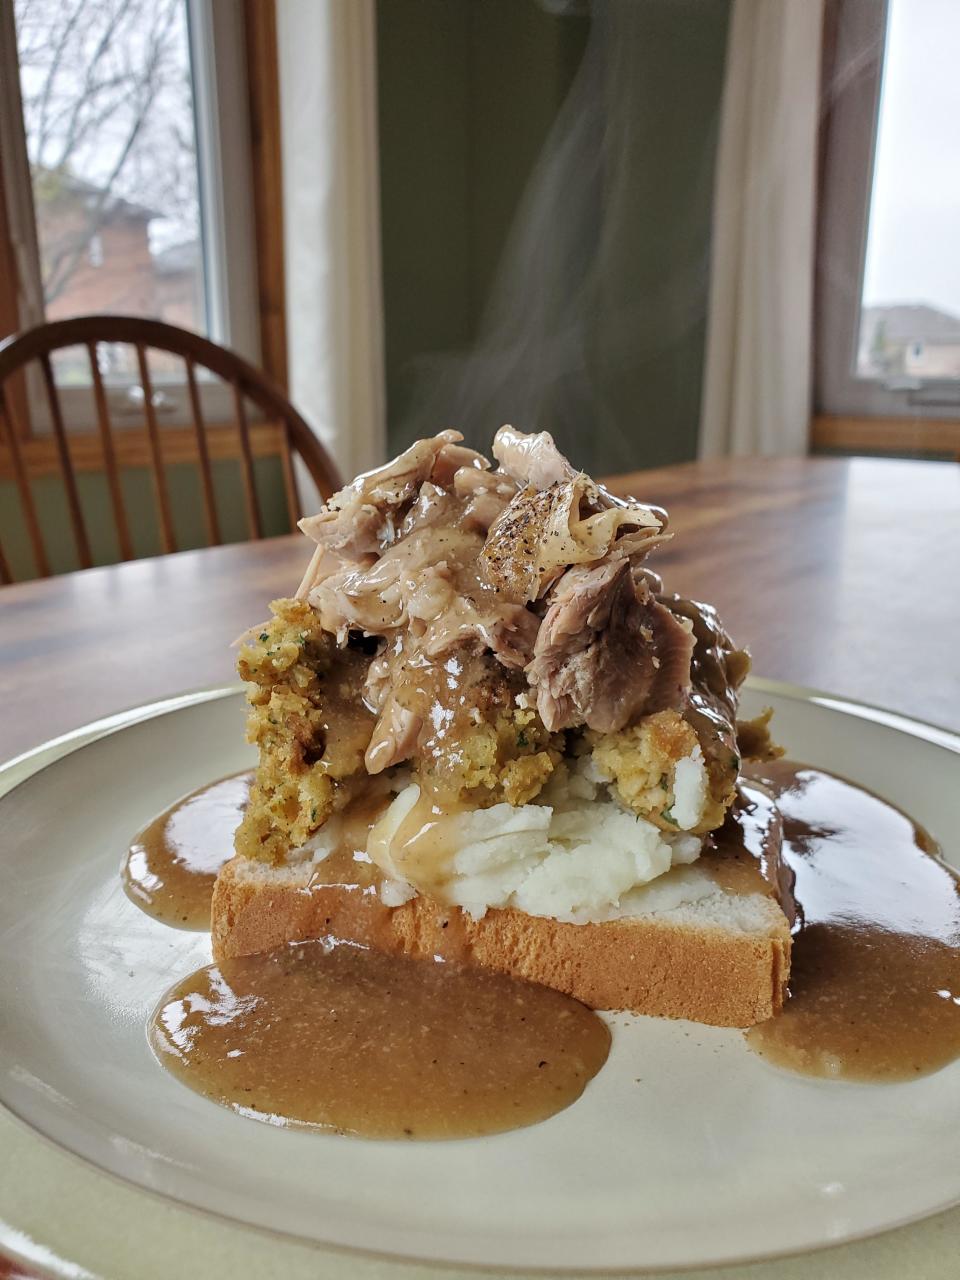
487	733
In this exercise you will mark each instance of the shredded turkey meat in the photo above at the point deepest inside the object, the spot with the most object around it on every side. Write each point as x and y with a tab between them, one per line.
603	622
494	622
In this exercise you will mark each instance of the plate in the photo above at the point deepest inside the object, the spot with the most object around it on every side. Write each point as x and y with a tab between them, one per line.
686	1149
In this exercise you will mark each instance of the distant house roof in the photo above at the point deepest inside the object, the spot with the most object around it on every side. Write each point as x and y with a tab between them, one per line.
178	259
906	322
59	183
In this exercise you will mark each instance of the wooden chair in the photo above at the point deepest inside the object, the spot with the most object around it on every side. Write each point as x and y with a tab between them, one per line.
288	433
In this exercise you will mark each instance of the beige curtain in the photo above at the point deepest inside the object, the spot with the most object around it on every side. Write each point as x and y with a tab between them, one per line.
327	60
757	381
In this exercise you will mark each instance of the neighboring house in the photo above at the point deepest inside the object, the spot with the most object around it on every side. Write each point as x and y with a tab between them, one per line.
909	340
95	249
177	280
96	258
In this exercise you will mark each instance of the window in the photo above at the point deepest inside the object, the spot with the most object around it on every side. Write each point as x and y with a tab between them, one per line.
910	300
112	148
888	313
129	143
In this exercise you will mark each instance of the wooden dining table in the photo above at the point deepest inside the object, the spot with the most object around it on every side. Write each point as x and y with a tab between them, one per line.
838	574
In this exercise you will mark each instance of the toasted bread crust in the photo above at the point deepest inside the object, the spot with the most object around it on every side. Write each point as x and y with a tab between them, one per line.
647	964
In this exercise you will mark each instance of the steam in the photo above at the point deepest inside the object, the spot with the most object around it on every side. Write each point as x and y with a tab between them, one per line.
567	318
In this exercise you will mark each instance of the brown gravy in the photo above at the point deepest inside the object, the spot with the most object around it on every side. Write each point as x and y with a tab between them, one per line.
172	863
746	854
875	979
329	1035
875	972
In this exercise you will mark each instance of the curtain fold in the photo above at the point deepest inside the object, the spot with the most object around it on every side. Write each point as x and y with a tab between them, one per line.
757	379
334	309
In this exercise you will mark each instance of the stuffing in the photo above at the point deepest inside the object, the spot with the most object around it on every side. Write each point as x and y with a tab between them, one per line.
493	637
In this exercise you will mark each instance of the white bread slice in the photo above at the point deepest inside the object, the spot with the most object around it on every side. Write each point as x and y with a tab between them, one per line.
722	960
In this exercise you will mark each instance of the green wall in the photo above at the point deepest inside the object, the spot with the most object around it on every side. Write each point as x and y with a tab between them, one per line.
602	293
655	274
601	302
468	90
186	501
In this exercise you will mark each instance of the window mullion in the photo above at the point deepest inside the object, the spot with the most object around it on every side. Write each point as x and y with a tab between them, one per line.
218	68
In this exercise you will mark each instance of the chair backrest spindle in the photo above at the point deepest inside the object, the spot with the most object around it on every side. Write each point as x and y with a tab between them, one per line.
203	453
66	464
10	428
246	464
167	538
109	455
110	448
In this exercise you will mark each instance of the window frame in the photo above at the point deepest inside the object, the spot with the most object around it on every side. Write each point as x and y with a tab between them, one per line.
852	84
216	36
221	95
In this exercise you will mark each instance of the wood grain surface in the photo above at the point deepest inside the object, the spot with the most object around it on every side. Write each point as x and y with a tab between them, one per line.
840	574
843	574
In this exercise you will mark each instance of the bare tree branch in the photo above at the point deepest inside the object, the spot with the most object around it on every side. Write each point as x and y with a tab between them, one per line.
57	280
89	96
103	44
63	44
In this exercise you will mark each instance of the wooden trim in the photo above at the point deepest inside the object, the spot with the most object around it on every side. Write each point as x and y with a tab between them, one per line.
9	303
918	435
16	388
852	70
131	448
260	29
21	289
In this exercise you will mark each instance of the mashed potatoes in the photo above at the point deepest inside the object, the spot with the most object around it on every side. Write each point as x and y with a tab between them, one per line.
577	854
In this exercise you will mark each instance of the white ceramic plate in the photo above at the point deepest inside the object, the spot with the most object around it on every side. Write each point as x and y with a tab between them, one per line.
686	1150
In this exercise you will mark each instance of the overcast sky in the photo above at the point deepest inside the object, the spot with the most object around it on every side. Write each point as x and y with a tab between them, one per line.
913	250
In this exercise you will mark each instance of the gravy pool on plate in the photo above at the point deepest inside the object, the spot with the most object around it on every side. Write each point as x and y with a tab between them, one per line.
337	1036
